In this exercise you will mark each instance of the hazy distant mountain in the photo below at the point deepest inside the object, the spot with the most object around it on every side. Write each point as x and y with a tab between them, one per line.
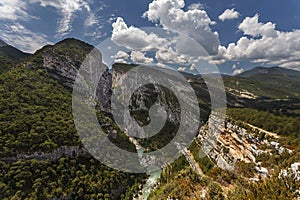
274	82
9	56
270	71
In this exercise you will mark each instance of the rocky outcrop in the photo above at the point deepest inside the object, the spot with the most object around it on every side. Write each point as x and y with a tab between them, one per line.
141	100
65	69
231	143
63	61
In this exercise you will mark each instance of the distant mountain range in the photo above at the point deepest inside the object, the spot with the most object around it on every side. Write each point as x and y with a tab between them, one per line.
257	71
273	82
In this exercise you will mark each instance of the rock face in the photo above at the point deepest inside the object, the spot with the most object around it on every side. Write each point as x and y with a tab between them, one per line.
160	112
231	143
65	71
63	61
142	98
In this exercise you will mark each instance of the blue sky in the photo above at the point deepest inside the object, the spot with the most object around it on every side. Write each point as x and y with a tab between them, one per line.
261	32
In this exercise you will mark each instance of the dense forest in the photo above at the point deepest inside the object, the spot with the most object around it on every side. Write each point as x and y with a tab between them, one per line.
36	119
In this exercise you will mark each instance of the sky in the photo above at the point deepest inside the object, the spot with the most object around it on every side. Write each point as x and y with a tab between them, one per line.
237	35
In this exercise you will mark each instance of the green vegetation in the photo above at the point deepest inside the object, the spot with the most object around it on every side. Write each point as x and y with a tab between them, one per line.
5	64
123	67
36	116
224	184
181	186
205	163
283	125
67	51
273	188
267	85
35	113
77	178
215	192
9	57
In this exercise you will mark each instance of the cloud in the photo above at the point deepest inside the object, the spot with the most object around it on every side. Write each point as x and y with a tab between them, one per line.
93	26
91	20
139	57
13	10
238	71
134	38
120	57
66	8
181	69
112	19
194	22
195	6
251	26
18	10
19	36
171	49
193	67
162	65
170	56
121	54
229	14
272	47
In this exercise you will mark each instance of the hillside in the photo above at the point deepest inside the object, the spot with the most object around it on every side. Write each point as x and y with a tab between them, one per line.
284	72
266	89
41	154
9	56
237	164
257	145
42	157
275	82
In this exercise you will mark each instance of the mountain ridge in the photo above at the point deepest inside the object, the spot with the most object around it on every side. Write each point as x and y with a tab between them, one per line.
9	56
276	70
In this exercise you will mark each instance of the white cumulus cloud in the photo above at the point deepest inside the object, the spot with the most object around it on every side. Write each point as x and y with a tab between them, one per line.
194	22
181	69
134	38
251	26
120	57
139	57
170	56
195	6
229	14
238	71
271	47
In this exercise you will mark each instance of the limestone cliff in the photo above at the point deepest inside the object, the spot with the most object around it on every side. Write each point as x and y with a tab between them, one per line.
63	61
